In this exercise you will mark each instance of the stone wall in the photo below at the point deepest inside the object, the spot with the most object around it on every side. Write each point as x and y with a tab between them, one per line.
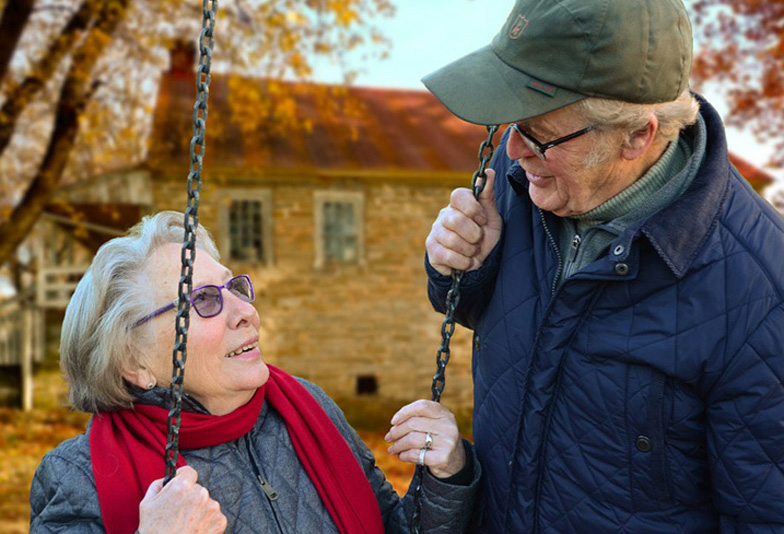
344	325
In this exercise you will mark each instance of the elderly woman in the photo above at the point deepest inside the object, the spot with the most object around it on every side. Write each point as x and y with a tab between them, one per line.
261	451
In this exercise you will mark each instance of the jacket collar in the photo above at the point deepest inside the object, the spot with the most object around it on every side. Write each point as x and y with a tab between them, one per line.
678	231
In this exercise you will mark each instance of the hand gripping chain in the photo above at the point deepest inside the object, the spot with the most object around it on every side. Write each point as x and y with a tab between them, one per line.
448	326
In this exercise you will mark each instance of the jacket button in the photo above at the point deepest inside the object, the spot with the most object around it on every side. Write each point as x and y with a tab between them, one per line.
643	443
476	342
621	269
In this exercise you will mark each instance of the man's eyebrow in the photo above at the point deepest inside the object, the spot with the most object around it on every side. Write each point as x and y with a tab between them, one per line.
536	128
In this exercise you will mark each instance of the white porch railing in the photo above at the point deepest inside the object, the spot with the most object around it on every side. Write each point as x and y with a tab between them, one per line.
55	285
21	342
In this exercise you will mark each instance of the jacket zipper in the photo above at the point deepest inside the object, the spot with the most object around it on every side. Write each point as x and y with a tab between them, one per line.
269	491
574	249
548	420
557	253
529	370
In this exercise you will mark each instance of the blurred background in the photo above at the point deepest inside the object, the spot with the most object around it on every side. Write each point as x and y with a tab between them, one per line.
326	163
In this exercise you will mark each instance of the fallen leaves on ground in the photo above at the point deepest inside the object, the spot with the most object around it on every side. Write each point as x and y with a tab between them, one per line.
26	436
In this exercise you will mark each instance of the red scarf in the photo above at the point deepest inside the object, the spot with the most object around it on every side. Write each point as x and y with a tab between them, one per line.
127	446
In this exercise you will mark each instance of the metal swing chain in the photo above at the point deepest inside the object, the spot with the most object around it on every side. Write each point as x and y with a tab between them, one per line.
478	182
191	222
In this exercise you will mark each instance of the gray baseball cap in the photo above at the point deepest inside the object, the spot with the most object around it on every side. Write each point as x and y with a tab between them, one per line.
551	53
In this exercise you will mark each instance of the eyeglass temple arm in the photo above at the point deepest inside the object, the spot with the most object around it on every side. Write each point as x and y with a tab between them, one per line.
157	312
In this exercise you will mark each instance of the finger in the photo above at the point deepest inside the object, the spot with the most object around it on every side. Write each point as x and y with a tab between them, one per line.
463	200
154	489
187	473
443	429
410	441
487	197
432	457
420	408
462	224
451	240
444	260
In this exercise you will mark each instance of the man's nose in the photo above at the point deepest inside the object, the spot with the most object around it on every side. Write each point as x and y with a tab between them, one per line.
516	148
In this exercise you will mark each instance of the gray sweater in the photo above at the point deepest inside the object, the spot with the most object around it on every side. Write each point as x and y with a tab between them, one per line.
63	497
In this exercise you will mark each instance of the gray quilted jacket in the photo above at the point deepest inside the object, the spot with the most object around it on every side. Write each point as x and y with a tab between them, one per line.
258	480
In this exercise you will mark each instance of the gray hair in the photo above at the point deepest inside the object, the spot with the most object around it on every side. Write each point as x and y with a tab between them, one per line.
98	341
622	119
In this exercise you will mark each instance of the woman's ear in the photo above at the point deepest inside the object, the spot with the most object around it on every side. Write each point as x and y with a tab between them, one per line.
141	378
641	140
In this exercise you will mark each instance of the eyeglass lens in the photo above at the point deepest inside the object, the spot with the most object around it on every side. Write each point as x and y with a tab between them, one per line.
208	300
536	150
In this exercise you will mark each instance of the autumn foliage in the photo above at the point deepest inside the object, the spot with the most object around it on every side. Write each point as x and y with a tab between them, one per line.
26	436
740	44
78	79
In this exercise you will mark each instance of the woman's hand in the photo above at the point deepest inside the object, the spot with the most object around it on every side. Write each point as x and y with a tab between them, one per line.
408	436
180	506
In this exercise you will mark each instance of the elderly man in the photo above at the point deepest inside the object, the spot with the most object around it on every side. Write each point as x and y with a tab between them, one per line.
624	284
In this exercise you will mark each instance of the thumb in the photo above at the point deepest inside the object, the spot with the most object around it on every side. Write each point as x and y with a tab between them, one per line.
487	197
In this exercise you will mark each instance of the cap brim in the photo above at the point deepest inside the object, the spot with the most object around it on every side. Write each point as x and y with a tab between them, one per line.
482	89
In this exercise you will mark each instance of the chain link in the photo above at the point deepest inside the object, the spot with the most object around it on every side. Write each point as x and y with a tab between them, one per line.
191	222
478	182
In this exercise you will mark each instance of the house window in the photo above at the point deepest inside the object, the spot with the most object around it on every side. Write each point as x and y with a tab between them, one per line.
339	227
245	225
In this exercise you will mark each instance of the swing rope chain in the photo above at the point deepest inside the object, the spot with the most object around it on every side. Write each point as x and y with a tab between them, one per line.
478	182
191	222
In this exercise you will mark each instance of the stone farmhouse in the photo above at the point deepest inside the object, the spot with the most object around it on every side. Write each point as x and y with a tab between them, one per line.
328	218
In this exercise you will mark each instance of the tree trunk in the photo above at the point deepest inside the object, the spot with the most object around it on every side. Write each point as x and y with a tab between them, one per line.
20	95
75	94
12	23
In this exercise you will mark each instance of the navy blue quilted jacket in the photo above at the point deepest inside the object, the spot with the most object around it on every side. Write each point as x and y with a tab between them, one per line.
644	394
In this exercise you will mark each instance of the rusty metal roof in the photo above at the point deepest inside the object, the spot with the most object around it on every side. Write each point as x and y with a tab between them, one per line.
384	130
758	178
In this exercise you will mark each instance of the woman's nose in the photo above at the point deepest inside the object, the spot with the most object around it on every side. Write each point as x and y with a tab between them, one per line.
240	311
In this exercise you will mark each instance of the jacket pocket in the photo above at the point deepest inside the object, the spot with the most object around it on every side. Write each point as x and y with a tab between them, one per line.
647	424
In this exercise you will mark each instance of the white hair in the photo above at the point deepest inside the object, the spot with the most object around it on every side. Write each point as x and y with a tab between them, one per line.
98	341
621	120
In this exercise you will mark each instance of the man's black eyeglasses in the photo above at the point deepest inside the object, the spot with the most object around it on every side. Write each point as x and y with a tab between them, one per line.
540	148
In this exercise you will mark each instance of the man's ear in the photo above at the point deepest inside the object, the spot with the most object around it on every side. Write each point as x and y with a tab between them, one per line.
641	140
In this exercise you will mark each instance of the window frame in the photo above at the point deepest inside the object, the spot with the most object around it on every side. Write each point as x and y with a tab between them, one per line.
355	198
225	198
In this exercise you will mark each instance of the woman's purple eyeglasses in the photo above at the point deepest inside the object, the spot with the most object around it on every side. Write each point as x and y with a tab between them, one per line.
207	300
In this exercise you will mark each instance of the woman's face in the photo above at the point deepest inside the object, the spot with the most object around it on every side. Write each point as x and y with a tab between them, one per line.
224	366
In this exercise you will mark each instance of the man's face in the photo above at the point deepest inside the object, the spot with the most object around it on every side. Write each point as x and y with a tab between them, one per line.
567	183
